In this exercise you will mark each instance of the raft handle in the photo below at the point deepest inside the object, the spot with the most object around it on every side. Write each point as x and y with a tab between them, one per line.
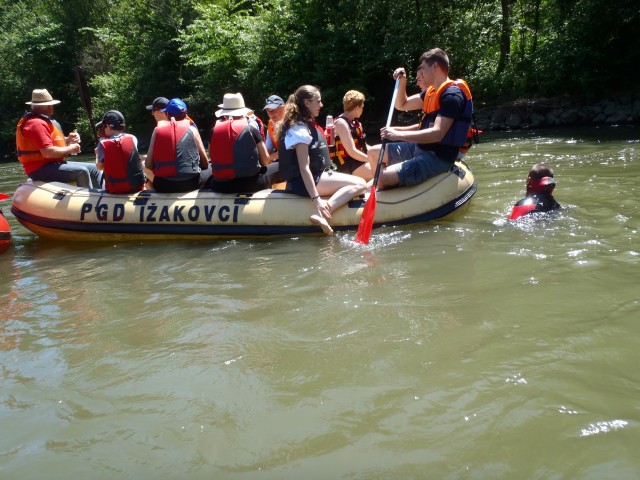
459	172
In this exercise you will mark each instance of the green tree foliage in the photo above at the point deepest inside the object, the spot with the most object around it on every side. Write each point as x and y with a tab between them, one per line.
135	50
131	57
33	53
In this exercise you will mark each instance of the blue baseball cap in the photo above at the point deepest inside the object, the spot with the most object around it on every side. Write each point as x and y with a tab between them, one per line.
175	107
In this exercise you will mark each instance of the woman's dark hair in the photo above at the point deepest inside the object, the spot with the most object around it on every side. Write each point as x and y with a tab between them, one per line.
295	110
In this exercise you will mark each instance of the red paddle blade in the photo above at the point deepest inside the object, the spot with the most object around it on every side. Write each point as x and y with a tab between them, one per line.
366	220
4	196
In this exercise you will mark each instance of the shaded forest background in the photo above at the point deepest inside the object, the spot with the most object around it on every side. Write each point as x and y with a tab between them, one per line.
135	50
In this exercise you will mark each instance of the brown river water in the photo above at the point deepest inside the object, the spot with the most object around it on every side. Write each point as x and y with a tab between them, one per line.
474	348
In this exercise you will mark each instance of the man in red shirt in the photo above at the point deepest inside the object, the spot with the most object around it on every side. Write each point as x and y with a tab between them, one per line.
42	147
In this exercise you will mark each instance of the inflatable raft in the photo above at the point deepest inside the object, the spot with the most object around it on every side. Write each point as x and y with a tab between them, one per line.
62	212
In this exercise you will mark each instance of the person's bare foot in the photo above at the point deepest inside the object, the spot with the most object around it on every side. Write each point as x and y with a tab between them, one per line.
322	222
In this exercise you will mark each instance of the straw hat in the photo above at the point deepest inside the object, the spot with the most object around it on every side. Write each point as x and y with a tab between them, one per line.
42	97
232	106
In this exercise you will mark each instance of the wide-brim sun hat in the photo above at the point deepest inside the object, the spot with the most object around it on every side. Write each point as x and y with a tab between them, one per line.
233	106
40	96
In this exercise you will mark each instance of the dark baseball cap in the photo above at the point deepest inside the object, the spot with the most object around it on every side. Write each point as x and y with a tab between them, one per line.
113	118
158	104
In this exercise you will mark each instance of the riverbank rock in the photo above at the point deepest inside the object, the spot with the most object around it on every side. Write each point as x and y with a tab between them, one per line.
543	113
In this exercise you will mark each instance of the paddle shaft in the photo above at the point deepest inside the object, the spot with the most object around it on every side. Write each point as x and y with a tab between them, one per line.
85	98
369	212
384	142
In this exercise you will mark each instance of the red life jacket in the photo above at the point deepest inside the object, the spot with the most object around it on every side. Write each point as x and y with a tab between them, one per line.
260	123
338	153
174	149
233	150
122	166
458	132
28	152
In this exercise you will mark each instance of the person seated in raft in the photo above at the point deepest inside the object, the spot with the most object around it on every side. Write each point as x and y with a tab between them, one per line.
540	185
239	158
156	107
350	151
421	151
42	148
275	111
176	154
304	160
117	155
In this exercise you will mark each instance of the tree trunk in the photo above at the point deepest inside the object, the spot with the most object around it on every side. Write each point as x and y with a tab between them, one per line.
505	35
536	27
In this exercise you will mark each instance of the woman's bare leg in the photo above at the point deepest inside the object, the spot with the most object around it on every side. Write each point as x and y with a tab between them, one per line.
342	188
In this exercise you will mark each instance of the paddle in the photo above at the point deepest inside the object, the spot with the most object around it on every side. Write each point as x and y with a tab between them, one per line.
369	212
81	82
4	196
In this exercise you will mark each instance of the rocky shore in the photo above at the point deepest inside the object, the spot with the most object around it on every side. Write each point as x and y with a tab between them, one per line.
558	112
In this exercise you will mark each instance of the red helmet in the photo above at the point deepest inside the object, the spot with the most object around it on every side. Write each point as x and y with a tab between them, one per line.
540	185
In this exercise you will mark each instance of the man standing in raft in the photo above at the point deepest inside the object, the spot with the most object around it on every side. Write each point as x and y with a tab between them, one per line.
117	156
540	185
421	151
42	147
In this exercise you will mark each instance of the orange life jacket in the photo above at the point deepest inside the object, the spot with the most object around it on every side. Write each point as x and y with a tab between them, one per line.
28	152
271	130
458	132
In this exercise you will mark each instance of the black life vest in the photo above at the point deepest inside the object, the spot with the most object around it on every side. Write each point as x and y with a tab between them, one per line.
318	155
